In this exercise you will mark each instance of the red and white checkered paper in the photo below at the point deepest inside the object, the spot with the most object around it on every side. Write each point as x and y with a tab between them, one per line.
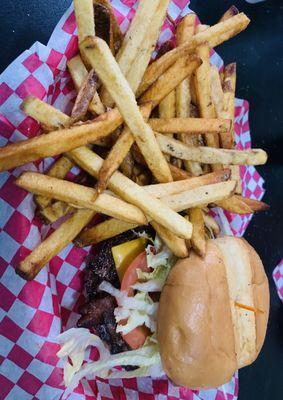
278	279
33	313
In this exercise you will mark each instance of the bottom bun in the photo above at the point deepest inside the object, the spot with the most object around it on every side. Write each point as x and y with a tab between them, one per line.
204	335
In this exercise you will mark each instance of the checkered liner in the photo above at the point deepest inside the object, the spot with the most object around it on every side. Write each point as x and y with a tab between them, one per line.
32	314
278	279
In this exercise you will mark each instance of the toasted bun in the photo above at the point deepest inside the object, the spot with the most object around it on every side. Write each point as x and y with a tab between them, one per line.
204	337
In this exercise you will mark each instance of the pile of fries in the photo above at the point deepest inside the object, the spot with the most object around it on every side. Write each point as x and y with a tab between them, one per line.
157	137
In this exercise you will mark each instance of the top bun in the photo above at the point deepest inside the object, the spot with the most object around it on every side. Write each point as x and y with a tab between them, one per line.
203	331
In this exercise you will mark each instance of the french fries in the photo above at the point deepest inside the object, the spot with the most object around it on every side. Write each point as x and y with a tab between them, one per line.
211	225
242	205
213	36
229	86
51	246
198	242
26	151
135	194
103	231
178	174
185	32
210	155
229	13
54	211
216	91
101	58
190	125
170	79
173	242
85	18
80	196
167	109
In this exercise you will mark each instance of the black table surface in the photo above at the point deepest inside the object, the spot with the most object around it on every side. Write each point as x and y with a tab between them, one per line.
259	55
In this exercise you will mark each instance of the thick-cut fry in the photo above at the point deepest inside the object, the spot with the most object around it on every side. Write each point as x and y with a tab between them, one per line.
166	189
101	58
216	90
173	242
20	153
203	88
118	153
229	13
167	109
185	32
198	242
80	196
56	242
190	126
178	173
210	155
135	194
214	36
55	211
242	205
166	82
79	73
229	87
85	18
58	170
138	44
105	230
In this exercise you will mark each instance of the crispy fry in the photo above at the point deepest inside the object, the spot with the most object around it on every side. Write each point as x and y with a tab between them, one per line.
214	36
56	242
211	224
118	153
166	189
178	174
173	242
80	196
55	211
167	109
185	32
210	155
203	89
235	175
101	58
58	170
138	44
170	79
231	12
198	242
190	126
242	205
84	97
48	145
229	87
135	194
216	90
105	230
85	18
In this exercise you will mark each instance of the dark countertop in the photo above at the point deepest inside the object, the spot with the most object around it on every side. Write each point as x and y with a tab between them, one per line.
259	55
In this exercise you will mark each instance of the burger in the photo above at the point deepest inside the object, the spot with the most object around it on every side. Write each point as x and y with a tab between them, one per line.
196	319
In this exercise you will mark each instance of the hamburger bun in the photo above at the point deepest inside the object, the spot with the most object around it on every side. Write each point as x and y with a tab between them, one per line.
213	314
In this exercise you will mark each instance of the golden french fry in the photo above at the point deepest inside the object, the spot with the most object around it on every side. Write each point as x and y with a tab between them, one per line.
198	242
173	242
231	12
79	73
235	175
85	18
55	211
170	79
185	32
58	170
242	205
16	154
190	126
118	153
229	87
135	194
216	90
55	242
101	58
138	44
167	109
166	189
210	155
203	89
80	196
105	230
211	224
214	36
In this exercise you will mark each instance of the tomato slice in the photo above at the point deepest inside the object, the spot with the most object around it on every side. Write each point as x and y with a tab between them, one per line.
137	336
